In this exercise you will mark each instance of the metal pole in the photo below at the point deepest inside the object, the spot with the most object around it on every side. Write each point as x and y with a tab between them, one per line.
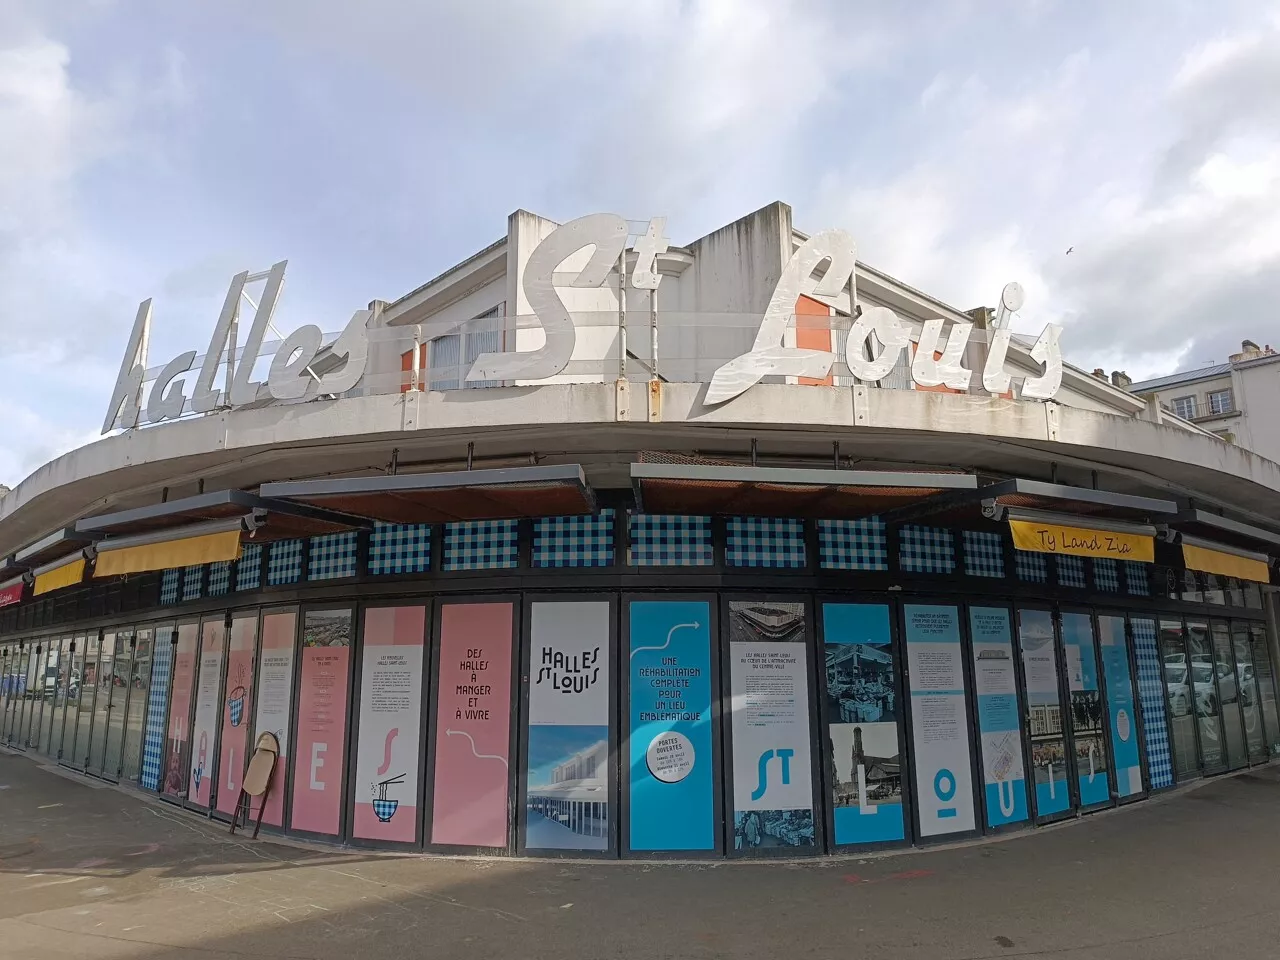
416	365
653	334
471	452
622	315
232	338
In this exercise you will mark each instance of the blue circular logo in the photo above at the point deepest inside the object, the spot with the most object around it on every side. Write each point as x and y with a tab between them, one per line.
944	784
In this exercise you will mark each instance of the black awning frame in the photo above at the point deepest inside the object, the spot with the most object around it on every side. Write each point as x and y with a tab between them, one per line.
1224	525
251	504
987	496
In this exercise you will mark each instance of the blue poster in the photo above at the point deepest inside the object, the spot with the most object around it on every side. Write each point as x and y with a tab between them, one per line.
864	757
1086	709
1044	712
999	721
672	775
1124	734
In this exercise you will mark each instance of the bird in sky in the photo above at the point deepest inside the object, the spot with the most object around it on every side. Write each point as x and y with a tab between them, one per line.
1069	249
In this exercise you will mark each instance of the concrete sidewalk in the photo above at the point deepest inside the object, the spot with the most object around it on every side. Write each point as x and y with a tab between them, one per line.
90	871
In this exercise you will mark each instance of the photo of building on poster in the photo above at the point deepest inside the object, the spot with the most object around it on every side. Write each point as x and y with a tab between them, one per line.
1044	712
567	791
772	762
1087	716
863	752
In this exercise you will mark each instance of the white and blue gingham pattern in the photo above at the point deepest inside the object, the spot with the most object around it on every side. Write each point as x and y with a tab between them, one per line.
284	562
1151	693
1071	571
249	567
332	556
574	541
926	550
170	584
853	544
219	578
481	545
1106	574
153	744
669	540
983	554
1031	566
1136	581
192	580
776	542
399	548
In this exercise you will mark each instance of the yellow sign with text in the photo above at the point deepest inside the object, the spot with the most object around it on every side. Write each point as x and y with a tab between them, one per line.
1081	541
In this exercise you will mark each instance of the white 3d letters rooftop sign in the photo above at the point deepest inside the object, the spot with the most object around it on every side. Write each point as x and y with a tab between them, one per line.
875	345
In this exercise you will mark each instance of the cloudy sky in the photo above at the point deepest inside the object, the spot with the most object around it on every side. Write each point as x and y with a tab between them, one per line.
153	148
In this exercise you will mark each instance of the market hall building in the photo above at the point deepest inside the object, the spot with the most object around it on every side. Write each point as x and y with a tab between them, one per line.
598	545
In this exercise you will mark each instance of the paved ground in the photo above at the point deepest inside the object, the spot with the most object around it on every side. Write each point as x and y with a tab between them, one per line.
91	872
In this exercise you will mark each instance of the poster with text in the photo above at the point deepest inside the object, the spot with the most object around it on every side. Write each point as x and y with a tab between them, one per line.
237	707
1086	709
473	725
939	720
319	757
275	701
671	780
387	751
567	804
864	757
177	743
204	731
995	682
769	717
1044	712
1120	704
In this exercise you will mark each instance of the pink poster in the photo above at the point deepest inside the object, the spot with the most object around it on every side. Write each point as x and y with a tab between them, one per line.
322	722
386	787
237	709
275	701
204	732
473	725
184	676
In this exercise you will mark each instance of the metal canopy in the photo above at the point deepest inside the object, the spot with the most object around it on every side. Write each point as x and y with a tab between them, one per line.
59	544
781	491
1210	526
1060	498
504	494
275	520
9	567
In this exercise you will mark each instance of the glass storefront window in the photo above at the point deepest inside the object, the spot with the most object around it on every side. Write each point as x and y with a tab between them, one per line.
1204	693
118	705
72	745
177	750
18	727
1092	768
1177	685
64	695
1214	589
323	697
1191	588
1263	669
1225	669
102	701
1252	595
1044	712
1126	756
139	695
1235	592
1255	733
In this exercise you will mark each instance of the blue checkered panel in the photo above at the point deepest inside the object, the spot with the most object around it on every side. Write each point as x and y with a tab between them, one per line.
1151	693
668	540
332	556
284	562
170	586
1071	572
1031	566
983	554
775	542
853	544
249	567
192	581
1136	579
574	541
399	548
157	697
1106	574
926	550
219	578
481	545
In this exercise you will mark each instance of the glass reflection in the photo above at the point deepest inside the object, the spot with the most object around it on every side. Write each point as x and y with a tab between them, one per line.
1204	693
1182	731
1226	674
1250	699
1263	669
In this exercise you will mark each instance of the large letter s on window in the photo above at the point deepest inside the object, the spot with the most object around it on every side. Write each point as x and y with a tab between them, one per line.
607	232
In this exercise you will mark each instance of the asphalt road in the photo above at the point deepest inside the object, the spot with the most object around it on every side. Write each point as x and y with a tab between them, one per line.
88	871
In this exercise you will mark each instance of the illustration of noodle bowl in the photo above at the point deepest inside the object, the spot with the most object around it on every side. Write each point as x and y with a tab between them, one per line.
235	704
383	808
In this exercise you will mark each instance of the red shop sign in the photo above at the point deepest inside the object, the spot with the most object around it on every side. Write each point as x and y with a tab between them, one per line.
11	595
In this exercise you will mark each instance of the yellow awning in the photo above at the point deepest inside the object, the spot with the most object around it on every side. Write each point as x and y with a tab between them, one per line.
1227	564
187	552
1043	537
59	577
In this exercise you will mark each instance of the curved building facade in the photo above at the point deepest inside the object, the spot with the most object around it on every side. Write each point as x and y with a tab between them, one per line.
596	545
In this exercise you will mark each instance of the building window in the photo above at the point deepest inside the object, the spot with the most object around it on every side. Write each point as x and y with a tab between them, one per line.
1185	407
445	360
1220	402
